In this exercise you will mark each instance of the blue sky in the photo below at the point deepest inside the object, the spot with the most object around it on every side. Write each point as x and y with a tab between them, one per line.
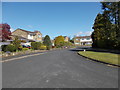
51	18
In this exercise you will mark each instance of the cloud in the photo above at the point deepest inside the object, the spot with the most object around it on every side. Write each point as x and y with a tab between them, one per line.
81	33
30	26
88	33
11	29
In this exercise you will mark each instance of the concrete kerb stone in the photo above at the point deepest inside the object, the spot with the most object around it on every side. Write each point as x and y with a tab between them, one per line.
20	53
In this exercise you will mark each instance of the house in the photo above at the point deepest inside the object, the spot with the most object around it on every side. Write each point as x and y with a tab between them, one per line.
83	40
66	39
27	35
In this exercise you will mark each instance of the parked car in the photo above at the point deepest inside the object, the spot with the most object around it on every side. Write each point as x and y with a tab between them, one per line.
26	46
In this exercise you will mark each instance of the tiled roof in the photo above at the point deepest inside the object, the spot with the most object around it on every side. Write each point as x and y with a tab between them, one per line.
83	37
27	31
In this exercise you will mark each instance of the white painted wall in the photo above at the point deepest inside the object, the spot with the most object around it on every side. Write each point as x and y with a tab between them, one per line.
30	37
85	40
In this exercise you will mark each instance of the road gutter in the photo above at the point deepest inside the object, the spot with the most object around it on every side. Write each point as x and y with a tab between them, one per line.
12	59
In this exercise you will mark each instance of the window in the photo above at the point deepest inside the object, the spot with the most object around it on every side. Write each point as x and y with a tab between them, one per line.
88	38
39	36
31	35
82	38
76	43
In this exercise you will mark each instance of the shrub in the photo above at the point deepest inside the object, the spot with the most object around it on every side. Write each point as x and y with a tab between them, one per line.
3	47
10	48
16	42
20	48
43	47
25	49
36	45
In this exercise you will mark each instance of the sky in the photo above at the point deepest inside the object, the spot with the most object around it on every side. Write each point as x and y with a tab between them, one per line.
52	18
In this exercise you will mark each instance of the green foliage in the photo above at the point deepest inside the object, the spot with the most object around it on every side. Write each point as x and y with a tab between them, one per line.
110	32
3	47
43	47
72	40
16	43
36	45
25	49
59	41
68	44
104	34
47	42
10	48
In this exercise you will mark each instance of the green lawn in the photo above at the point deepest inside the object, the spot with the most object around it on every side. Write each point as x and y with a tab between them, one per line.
100	56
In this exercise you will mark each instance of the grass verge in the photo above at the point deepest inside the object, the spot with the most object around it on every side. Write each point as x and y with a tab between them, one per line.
100	56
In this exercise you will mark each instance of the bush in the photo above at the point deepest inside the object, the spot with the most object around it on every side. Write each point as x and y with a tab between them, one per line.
36	45
25	49
10	48
48	47
43	47
3	47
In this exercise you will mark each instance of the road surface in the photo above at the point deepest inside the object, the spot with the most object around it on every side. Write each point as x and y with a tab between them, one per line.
58	69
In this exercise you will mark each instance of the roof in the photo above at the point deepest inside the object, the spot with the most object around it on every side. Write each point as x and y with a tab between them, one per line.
27	31
83	37
19	37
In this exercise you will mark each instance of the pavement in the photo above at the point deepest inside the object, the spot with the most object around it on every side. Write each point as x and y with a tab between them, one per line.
58	69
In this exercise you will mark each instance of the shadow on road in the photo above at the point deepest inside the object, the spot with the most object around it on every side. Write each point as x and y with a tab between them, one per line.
94	49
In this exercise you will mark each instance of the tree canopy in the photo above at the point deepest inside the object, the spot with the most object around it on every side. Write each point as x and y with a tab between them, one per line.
5	32
47	42
106	27
59	41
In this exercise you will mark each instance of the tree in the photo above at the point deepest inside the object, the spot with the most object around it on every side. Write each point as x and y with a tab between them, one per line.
5	32
72	40
59	41
102	30
113	12
16	43
47	42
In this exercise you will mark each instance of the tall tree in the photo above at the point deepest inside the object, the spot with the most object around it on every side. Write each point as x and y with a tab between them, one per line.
113	12
5	32
47	42
102	30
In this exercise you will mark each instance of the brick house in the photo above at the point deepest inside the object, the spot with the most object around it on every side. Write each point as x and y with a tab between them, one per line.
83	40
28	35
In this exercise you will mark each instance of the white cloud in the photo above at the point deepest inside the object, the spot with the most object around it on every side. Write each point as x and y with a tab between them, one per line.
30	26
87	33
79	34
11	29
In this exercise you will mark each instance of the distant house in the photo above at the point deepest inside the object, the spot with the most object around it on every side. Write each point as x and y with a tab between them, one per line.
27	35
83	40
66	39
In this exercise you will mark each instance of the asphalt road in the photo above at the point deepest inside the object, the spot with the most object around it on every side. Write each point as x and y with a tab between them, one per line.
58	69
